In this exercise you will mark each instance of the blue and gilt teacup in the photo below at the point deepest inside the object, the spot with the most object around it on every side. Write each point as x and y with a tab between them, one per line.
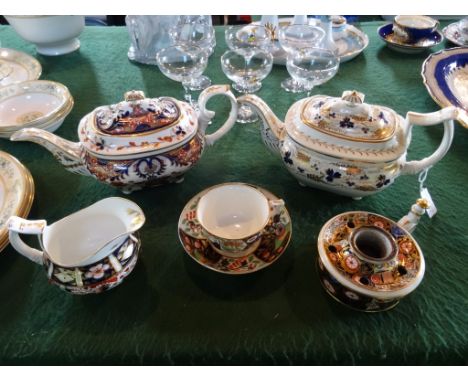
412	29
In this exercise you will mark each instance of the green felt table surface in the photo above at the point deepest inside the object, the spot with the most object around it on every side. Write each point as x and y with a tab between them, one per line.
171	310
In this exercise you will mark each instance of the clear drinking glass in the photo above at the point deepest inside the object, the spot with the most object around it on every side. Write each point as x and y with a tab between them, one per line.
312	66
201	35
248	62
293	39
181	63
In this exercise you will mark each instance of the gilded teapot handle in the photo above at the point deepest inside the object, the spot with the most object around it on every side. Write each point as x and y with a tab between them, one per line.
17	225
206	115
446	115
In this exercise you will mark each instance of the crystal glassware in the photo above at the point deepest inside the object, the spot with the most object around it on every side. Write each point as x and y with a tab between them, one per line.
248	62
293	39
201	35
181	63
312	66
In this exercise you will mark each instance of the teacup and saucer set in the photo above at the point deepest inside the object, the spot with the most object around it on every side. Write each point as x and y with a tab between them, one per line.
411	34
457	33
235	228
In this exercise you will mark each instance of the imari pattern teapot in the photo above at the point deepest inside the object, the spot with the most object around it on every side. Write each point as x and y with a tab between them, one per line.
346	146
138	142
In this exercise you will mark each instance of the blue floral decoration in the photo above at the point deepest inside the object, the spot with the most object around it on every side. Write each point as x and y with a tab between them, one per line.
332	175
287	158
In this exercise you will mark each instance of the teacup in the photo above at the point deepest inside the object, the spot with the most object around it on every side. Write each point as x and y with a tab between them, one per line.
87	252
233	217
414	28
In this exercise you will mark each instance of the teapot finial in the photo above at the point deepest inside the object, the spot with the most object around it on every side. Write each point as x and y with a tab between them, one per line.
353	96
411	220
134	95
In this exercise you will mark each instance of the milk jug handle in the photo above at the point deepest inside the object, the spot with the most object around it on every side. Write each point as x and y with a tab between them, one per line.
16	226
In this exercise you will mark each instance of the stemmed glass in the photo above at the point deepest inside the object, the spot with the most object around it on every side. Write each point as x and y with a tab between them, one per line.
247	63
181	63
293	39
201	35
312	66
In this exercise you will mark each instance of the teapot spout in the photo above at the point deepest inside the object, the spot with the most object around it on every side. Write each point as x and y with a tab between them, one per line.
68	153
273	127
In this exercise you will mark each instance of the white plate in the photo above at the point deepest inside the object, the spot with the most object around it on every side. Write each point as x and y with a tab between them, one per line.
16	192
17	67
350	42
452	33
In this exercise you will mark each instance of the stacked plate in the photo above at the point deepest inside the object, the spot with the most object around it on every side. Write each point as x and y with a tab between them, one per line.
40	104
16	192
17	67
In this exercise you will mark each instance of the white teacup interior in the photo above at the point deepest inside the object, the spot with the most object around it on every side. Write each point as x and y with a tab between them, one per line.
73	240
233	211
420	22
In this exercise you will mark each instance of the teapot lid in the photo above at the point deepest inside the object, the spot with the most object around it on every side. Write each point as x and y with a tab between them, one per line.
373	132
371	254
137	124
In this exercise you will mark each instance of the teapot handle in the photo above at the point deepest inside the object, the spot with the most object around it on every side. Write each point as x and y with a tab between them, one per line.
446	115
206	116
17	225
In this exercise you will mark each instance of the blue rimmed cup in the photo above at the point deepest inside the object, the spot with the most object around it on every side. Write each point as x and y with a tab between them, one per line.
412	29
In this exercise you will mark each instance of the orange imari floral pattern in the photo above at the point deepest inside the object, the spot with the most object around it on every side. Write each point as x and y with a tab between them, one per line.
395	274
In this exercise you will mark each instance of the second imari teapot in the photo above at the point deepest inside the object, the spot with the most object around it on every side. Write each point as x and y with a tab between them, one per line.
346	146
138	142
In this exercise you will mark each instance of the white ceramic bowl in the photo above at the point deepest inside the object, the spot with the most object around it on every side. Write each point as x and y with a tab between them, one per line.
52	35
40	104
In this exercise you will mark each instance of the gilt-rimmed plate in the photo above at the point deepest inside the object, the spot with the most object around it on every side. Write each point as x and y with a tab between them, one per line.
16	192
445	74
17	67
275	240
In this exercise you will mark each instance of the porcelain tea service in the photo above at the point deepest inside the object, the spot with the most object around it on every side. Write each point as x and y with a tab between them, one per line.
139	142
346	146
457	33
89	251
367	261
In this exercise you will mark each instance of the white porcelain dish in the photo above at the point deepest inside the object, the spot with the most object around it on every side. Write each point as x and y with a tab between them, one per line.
52	35
40	104
17	67
16	192
452	33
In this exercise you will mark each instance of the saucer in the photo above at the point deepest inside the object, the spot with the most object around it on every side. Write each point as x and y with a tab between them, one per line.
273	244
445	74
452	33
17	67
16	192
396	43
350	42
